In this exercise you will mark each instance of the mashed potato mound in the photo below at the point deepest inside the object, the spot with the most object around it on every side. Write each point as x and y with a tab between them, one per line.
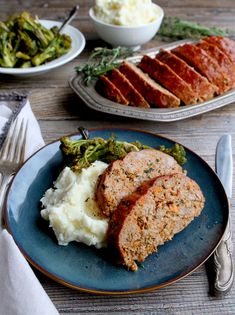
126	12
71	209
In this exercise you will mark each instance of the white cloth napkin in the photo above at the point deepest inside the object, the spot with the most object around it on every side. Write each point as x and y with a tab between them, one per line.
20	291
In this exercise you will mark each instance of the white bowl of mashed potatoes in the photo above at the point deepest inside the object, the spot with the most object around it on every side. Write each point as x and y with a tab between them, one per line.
128	23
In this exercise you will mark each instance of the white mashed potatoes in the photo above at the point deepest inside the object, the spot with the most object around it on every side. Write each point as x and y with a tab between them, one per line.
126	12
71	209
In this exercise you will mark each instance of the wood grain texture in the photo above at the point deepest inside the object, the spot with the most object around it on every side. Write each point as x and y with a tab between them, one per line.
59	111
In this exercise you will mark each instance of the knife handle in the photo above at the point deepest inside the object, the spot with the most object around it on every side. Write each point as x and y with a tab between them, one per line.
223	264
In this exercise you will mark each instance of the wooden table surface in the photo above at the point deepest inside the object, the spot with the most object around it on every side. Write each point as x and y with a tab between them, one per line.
59	111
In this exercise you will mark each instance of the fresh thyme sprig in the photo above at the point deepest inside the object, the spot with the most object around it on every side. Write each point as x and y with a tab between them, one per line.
175	28
102	60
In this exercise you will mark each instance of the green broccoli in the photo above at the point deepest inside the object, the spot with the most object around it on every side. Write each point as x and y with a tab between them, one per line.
58	47
43	35
177	151
26	64
29	44
7	56
46	55
24	42
22	55
81	153
4	27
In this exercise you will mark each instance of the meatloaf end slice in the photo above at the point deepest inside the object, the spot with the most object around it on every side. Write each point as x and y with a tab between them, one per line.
222	59
169	79
106	88
206	65
154	93
122	177
227	45
127	89
151	216
202	88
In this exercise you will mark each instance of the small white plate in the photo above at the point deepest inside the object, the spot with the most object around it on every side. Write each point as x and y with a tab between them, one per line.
78	44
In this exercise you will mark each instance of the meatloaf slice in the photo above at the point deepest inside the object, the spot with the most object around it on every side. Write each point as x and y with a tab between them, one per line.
222	59
122	177
227	45
105	87
206	65
169	79
154	93
151	216
202	88
127	89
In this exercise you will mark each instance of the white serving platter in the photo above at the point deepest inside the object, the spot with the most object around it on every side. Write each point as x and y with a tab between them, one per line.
97	102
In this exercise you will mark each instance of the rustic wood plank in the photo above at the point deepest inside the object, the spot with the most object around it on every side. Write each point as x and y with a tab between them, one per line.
192	10
164	301
60	5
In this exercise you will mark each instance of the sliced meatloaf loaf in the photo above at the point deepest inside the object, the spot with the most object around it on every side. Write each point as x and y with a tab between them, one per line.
206	65
227	45
169	79
154	93
202	88
222	59
151	216
122	177
109	90
127	89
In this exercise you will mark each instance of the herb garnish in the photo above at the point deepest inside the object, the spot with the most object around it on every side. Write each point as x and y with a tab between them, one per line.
173	27
102	60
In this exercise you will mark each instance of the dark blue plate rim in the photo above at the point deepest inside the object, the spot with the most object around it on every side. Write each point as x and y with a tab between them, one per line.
114	292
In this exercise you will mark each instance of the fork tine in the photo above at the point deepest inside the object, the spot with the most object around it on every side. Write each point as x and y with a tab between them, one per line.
13	142
8	141
21	143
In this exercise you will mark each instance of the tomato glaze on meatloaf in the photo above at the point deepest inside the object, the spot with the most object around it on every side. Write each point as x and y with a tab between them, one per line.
152	215
205	64
202	88
122	177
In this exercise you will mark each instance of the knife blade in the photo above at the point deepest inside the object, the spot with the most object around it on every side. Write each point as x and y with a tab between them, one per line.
222	259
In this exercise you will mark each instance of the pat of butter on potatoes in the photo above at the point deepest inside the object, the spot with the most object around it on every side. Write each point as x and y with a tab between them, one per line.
71	209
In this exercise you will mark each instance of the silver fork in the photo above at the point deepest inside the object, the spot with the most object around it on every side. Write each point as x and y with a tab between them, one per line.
12	155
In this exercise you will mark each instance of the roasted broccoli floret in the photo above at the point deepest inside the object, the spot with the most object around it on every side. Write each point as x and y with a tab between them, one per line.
21	55
3	27
42	34
46	55
177	151
24	42
29	44
26	64
7	55
81	153
58	47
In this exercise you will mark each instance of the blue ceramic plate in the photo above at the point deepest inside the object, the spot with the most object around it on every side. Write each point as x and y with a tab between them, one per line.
88	269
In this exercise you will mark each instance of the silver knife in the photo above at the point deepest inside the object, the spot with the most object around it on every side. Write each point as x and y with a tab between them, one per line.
223	256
